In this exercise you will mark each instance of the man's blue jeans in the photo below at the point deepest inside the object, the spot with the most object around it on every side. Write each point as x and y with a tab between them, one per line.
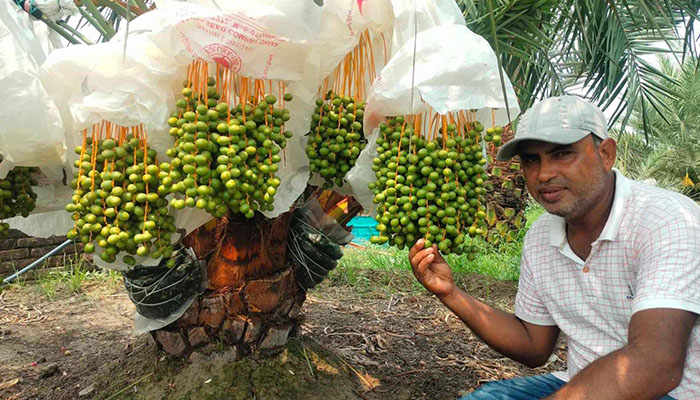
529	388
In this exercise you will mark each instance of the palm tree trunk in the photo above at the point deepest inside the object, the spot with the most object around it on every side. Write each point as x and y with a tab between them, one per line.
253	300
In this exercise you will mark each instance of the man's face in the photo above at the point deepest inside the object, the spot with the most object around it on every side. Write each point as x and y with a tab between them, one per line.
567	180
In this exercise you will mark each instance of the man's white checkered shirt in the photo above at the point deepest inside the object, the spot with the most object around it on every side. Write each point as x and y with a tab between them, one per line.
647	256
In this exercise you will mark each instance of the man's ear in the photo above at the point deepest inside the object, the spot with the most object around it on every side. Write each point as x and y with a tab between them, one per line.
608	152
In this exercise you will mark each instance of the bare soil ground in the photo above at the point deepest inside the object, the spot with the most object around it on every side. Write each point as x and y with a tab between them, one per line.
381	342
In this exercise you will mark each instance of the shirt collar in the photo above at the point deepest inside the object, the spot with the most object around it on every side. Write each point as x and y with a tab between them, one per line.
557	225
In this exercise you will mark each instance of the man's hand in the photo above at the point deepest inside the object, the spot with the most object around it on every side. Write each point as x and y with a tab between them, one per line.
524	342
431	270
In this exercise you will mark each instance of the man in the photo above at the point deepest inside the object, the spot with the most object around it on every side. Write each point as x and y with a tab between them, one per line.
614	264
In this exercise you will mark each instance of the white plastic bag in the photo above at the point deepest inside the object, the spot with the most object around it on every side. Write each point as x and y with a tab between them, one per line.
455	69
144	324
55	10
138	84
31	131
392	23
186	220
342	23
262	39
423	14
43	224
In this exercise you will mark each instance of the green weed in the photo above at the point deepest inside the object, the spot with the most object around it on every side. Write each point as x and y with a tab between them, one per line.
72	277
49	287
18	282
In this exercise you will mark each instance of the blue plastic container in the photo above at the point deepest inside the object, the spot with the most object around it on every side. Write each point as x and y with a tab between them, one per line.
363	228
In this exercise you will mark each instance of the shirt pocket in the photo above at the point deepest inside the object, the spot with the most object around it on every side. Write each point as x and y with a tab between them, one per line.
614	294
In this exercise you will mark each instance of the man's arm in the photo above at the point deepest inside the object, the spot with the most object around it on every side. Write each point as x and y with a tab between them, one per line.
648	367
522	341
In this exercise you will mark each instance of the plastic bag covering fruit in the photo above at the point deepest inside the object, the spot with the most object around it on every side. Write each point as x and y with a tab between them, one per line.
31	130
118	201
104	82
226	158
430	181
342	28
268	40
429	14
159	291
313	244
455	69
16	195
336	136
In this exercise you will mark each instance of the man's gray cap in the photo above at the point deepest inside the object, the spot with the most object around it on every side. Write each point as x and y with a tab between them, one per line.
560	120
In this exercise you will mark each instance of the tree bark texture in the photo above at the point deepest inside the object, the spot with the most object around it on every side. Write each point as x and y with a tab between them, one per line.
253	301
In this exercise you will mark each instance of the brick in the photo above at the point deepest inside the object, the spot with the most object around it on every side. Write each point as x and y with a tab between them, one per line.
38	242
39	273
37	252
14	234
8	244
63	260
15	254
87	258
14	265
69	250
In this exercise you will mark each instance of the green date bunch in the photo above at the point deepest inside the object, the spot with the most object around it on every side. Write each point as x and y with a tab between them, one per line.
117	203
336	137
429	188
225	159
16	195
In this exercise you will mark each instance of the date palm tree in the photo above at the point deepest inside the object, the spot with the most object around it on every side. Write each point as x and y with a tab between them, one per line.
544	46
672	155
602	48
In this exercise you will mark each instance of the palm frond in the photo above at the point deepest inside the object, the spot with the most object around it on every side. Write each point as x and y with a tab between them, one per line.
673	149
603	46
102	16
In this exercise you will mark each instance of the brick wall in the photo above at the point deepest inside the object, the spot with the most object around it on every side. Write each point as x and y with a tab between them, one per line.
19	250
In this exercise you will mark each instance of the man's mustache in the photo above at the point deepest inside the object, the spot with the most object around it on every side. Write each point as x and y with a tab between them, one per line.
556	183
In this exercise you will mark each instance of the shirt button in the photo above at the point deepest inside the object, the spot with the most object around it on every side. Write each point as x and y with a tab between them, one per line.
586	269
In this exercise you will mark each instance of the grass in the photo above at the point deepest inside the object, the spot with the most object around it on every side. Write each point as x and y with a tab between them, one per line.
72	278
502	262
16	283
